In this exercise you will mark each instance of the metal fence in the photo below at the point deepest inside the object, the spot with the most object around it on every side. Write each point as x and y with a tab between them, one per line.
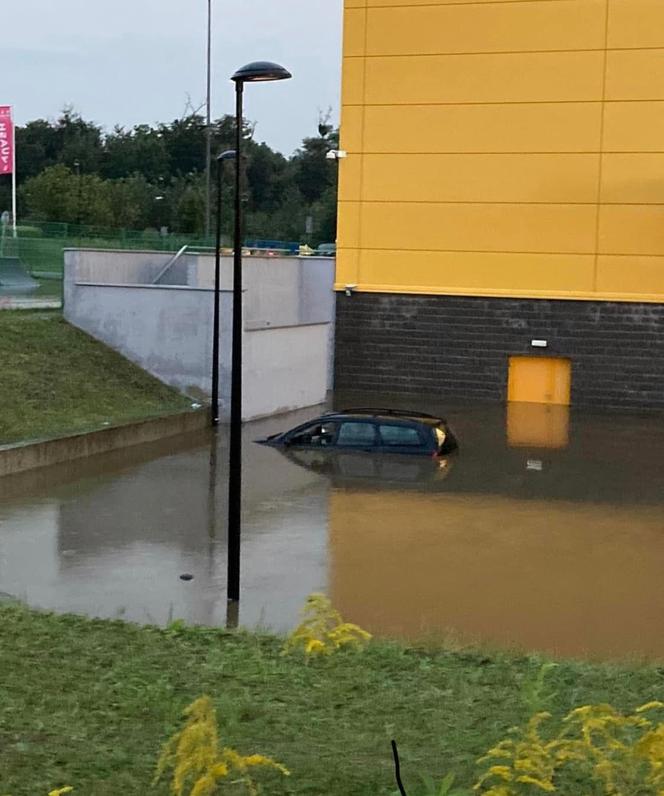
40	246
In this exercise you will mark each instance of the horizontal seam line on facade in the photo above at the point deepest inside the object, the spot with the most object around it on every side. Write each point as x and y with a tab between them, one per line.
457	3
507	293
496	202
453	3
497	102
464	53
590	253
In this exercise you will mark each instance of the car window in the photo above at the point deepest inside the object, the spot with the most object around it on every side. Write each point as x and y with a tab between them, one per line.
402	436
357	433
316	435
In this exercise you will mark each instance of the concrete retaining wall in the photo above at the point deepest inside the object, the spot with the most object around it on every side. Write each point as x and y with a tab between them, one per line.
165	330
31	455
288	317
116	266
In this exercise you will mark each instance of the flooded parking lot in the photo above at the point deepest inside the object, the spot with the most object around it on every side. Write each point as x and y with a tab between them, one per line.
545	532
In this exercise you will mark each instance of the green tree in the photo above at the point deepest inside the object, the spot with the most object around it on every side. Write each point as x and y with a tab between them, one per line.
313	172
189	205
154	176
141	150
130	201
57	194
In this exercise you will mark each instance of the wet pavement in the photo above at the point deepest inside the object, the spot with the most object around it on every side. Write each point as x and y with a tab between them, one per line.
545	532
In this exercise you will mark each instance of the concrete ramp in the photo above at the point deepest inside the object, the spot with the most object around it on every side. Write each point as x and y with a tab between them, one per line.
13	276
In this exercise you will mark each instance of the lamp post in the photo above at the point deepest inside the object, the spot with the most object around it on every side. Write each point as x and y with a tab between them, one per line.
229	154
77	166
256	72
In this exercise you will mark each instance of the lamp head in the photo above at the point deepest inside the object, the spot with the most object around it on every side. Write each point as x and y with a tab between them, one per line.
260	72
229	154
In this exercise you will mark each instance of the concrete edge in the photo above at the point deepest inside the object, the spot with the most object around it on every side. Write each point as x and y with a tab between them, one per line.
152	286
26	456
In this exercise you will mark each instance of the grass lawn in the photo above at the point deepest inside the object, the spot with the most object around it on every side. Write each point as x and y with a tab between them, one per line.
55	380
89	704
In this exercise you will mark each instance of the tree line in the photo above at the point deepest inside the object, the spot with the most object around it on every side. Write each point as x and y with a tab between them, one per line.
153	176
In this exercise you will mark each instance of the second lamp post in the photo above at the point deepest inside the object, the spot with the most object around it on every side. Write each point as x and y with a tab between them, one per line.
229	154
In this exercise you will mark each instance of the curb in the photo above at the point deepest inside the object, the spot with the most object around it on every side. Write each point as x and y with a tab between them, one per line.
25	456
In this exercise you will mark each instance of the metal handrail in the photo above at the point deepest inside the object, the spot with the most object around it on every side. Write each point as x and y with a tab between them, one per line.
170	263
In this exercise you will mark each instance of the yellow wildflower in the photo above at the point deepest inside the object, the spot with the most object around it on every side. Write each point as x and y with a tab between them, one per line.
322	630
504	772
654	705
538	783
620	753
314	646
197	761
61	791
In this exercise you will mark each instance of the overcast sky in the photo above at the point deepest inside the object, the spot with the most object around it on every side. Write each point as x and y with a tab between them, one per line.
135	61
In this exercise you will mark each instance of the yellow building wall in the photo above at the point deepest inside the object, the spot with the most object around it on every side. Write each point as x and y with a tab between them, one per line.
503	148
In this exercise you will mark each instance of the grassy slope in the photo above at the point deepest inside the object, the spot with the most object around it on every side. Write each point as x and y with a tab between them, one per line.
54	379
89	703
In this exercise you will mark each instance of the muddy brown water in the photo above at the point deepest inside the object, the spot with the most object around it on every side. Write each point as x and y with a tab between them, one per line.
545	532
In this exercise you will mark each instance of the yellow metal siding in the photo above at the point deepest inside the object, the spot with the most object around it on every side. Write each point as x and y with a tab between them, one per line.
498	27
514	127
503	148
550	228
636	23
465	273
632	126
501	77
476	178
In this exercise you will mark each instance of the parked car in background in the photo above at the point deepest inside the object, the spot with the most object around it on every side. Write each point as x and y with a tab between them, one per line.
327	250
370	430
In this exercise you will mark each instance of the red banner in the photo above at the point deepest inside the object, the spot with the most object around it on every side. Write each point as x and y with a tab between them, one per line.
6	140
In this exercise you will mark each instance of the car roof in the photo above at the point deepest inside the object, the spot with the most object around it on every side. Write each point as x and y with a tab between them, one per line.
377	413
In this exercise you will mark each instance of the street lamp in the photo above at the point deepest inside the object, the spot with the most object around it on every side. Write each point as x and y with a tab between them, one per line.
229	154
256	72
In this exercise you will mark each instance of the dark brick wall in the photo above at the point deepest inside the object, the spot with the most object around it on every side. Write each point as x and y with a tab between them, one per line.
459	346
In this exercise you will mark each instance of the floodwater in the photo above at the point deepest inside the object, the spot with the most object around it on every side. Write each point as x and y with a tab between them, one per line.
545	532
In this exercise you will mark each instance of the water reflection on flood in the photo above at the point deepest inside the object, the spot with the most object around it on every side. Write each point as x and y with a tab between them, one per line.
545	532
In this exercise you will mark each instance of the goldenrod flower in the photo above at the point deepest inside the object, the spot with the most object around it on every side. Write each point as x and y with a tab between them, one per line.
322	630
197	761
620	753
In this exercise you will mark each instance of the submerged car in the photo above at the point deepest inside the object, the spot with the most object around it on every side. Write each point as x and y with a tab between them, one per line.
371	431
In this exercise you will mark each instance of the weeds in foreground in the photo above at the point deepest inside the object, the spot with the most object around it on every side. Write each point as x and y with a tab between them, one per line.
596	749
323	631
198	762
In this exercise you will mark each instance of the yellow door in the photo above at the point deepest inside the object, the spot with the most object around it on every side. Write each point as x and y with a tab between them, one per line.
540	380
